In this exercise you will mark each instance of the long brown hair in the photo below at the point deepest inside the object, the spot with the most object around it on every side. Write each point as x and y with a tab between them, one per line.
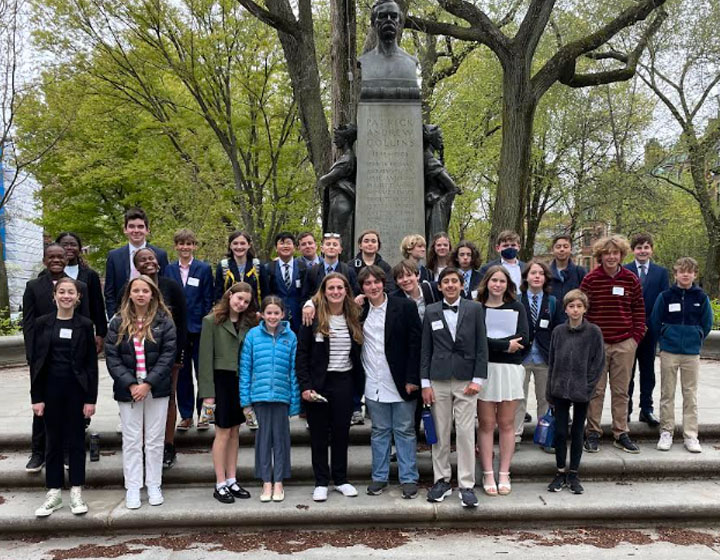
222	307
128	315
510	291
432	258
351	310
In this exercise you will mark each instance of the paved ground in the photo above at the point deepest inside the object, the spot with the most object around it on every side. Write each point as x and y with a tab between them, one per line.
571	544
15	414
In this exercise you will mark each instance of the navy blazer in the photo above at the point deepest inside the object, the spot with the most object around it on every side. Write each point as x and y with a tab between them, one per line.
475	278
292	297
198	297
117	273
656	282
541	331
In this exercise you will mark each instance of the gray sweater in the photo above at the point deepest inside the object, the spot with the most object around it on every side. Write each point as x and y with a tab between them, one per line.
575	362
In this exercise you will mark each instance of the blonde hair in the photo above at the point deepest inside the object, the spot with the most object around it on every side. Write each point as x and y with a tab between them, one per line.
409	242
686	264
607	244
576	295
351	310
128	315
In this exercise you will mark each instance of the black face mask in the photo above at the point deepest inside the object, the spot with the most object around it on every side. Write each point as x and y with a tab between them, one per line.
509	253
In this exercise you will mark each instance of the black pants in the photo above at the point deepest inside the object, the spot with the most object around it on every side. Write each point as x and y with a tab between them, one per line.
330	425
562	413
645	362
64	428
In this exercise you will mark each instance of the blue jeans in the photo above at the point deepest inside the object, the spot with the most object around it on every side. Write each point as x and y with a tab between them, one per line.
393	420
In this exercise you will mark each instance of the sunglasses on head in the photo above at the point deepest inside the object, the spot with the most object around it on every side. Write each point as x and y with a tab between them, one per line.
330	235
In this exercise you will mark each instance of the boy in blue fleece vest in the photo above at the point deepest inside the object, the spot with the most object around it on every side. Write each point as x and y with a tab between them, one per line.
681	319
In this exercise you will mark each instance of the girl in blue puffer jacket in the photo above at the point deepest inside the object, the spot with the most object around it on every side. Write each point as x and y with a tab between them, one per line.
269	388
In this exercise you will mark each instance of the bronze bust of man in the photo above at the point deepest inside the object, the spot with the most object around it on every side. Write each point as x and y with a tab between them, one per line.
388	72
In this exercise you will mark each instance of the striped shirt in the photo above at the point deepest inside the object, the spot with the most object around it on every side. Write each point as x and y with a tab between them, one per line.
340	344
139	345
616	304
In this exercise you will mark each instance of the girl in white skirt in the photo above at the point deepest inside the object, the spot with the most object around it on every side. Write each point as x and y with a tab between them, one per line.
507	328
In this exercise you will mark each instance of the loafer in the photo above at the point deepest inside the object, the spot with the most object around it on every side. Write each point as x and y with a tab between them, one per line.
238	491
409	491
528	418
649	418
266	497
185	424
439	491
626	444
278	496
223	495
375	488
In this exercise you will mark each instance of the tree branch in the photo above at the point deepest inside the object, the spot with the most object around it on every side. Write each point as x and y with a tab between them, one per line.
274	20
533	25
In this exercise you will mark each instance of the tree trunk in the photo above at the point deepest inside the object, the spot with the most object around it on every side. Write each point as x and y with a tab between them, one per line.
4	291
518	112
344	62
711	274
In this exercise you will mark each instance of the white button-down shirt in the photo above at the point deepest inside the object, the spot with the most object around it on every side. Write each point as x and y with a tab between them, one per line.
379	383
514	272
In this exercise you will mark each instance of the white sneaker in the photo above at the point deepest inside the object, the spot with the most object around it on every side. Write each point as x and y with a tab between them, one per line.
347	490
53	502
665	442
320	493
693	445
77	504
155	497
132	499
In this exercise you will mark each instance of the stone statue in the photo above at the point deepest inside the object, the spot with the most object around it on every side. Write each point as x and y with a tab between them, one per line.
388	72
338	187
440	189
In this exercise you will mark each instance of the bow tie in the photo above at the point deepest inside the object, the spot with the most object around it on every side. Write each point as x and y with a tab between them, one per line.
453	308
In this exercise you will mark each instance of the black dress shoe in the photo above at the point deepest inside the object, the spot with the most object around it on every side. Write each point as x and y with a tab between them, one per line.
649	418
528	418
238	491
223	495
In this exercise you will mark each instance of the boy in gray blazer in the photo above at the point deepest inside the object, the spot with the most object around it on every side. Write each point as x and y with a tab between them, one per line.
453	367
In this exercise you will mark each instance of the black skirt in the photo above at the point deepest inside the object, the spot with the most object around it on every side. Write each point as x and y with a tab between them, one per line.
228	412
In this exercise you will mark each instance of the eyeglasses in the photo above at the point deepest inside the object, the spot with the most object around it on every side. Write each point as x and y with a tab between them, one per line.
331	235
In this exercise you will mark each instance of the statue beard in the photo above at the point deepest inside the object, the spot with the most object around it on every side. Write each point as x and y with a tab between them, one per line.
387	31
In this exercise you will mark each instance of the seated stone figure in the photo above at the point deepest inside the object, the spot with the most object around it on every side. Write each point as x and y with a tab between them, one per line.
440	189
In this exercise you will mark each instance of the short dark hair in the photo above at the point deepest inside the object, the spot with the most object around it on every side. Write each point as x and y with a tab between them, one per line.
641	239
303	234
447	271
368	271
136	213
374	232
283	235
136	253
404	266
559	236
233	236
50	246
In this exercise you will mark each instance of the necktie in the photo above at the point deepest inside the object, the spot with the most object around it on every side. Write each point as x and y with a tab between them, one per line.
453	308
328	270
642	273
467	274
534	308
286	275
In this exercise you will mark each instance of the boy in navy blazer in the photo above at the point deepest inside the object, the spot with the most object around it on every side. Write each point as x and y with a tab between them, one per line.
654	281
285	278
196	278
508	247
119	267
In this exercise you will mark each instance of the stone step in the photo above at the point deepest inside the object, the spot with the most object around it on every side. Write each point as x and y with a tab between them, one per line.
529	505
300	435
194	466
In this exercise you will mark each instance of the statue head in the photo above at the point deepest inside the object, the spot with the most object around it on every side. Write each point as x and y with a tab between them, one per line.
432	136
345	135
387	20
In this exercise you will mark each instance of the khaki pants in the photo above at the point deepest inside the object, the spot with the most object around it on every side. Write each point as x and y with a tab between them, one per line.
540	371
450	401
689	366
619	358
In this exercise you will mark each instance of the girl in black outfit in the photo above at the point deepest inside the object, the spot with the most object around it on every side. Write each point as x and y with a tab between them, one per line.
78	269
146	262
63	388
240	265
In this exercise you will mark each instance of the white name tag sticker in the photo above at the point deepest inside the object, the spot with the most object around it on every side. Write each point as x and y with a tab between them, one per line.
437	325
544	323
298	283
618	291
473	294
673	307
319	337
66	333
193	281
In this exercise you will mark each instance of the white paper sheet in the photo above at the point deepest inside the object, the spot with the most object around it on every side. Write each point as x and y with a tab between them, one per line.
500	323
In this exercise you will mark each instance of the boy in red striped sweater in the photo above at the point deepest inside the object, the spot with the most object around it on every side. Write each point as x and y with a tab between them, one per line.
617	307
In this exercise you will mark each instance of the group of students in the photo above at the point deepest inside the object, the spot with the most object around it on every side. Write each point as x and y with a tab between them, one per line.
315	333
